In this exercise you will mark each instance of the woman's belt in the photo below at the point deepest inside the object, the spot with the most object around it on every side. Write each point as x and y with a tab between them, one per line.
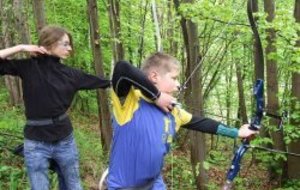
47	121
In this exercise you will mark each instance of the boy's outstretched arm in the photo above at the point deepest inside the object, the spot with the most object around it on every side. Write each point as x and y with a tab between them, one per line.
211	126
125	75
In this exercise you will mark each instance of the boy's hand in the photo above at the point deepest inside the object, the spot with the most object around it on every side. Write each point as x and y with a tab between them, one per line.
245	132
165	102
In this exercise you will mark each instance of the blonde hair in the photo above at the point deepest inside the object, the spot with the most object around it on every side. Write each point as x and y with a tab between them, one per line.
50	35
161	61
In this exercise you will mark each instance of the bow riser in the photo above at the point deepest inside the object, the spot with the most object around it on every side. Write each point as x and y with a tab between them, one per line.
258	93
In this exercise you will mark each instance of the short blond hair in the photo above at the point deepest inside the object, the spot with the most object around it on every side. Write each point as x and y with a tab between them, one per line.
161	61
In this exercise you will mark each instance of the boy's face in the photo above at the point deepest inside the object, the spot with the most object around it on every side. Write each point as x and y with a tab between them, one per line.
167	82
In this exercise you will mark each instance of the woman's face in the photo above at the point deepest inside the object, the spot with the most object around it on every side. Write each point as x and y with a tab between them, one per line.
62	48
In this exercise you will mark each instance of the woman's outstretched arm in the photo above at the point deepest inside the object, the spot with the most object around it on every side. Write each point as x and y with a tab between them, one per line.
22	48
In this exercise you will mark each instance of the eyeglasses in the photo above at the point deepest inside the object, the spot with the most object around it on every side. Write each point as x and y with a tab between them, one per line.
64	44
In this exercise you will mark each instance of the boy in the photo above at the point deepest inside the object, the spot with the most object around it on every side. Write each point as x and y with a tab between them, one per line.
142	131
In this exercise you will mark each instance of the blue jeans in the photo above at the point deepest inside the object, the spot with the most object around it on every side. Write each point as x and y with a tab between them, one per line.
64	152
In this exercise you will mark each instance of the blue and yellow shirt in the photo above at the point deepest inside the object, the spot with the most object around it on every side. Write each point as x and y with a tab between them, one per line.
142	134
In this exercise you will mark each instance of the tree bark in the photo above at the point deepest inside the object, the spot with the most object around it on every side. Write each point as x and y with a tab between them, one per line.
198	147
21	23
39	14
242	111
272	93
194	97
13	84
102	99
173	44
156	25
293	162
115	29
141	36
294	146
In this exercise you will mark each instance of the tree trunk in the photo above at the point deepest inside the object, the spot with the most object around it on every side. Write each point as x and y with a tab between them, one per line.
115	29
198	147
141	36
13	84
157	28
185	69
193	97
21	26
294	146
293	162
242	111
102	100
173	48
272	93
21	21
39	14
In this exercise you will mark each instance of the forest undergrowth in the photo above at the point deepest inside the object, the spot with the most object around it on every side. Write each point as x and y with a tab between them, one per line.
177	172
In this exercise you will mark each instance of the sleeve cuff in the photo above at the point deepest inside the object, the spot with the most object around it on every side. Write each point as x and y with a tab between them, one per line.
226	131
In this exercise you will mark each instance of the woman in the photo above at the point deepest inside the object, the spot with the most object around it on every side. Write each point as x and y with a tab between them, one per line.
48	90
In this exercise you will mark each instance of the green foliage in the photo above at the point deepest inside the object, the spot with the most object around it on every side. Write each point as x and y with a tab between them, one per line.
225	43
291	129
215	157
93	161
292	133
177	172
290	185
12	178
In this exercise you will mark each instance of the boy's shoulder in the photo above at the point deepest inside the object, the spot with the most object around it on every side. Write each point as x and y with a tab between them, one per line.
124	108
181	116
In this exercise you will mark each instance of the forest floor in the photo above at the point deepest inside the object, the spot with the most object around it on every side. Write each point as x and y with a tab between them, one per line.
251	177
177	172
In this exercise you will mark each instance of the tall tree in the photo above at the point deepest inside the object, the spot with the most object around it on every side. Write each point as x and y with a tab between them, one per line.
294	146
13	84
170	34
242	111
21	23
22	35
272	90
157	28
115	29
193	96
141	35
39	14
102	99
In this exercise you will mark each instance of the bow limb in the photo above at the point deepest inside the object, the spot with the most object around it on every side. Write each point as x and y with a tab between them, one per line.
254	125
258	93
253	25
259	96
